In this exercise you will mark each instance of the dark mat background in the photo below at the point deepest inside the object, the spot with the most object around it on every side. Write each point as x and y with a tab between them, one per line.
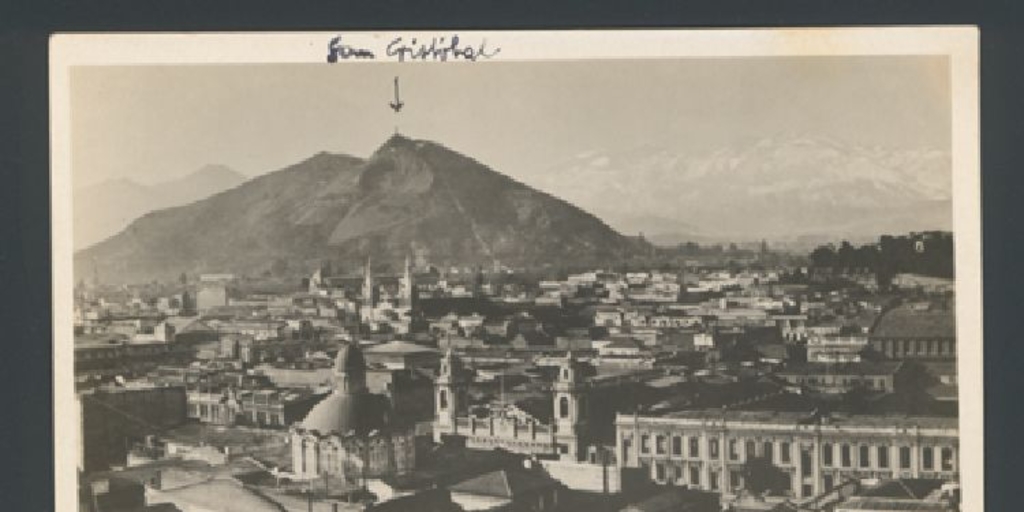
25	333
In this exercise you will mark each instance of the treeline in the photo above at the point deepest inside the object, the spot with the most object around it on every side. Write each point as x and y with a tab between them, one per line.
927	253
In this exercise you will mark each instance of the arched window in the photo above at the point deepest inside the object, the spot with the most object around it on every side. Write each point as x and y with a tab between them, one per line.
443	399
563	407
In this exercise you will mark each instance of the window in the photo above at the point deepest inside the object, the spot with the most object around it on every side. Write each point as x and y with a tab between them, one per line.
563	407
713	448
883	457
659	445
904	457
735	480
927	458
659	472
443	399
864	457
784	452
626	444
733	451
827	481
678	470
844	455
713	478
677	446
694	447
947	459
645	443
768	451
750	450
695	476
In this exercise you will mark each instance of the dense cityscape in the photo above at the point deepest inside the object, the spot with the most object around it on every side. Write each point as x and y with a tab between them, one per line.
702	379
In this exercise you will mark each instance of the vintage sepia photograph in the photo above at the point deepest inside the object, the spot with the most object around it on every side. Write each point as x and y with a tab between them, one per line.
550	271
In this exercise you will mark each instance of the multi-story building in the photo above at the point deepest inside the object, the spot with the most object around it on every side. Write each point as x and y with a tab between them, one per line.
907	332
103	358
707	449
111	418
884	376
835	349
261	407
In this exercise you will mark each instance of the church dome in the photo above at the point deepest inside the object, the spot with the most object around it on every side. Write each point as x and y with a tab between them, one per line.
345	413
349	408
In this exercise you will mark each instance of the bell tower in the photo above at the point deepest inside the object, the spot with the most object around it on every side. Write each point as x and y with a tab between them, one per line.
407	292
449	395
570	409
368	301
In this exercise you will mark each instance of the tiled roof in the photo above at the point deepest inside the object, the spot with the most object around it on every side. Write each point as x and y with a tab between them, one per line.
904	322
399	347
881	368
904	488
504	484
676	500
874	504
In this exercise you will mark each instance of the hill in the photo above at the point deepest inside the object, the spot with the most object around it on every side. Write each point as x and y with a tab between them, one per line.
104	209
408	198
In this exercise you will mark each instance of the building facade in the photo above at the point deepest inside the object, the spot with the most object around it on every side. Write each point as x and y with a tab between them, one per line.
512	428
352	433
707	449
836	349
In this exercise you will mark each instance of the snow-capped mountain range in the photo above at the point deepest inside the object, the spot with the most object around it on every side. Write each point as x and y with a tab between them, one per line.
776	188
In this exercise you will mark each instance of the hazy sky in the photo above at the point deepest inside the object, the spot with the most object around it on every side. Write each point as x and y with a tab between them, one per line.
156	123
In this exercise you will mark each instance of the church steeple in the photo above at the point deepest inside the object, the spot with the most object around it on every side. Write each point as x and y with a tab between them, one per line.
368	298
570	408
449	396
408	289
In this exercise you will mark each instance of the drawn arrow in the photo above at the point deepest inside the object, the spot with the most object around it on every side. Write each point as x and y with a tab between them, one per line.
397	104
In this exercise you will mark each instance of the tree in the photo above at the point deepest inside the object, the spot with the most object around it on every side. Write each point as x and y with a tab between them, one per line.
761	476
824	256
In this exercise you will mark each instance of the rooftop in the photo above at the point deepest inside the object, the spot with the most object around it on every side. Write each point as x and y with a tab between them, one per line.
399	347
880	368
836	420
907	322
875	504
504	483
904	488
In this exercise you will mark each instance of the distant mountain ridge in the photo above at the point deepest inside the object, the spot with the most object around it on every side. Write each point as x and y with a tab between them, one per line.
781	188
103	209
411	197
